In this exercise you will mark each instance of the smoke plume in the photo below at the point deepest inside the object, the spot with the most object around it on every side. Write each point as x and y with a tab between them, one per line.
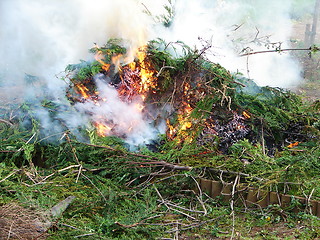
38	39
233	26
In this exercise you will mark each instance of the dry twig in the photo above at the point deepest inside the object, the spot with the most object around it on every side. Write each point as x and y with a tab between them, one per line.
14	172
169	208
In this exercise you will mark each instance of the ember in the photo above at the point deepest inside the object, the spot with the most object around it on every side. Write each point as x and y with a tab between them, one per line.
292	145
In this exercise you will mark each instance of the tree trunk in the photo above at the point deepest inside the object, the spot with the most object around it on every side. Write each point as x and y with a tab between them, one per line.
315	22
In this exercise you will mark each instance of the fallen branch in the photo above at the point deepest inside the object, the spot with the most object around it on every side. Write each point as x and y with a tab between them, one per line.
236	182
104	198
163	164
136	224
50	175
9	151
200	195
182	208
194	225
169	208
237	174
280	50
6	122
84	235
165	67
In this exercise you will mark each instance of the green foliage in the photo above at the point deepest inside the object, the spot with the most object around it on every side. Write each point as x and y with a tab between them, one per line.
172	56
167	18
276	108
123	195
111	141
112	48
203	108
28	150
84	70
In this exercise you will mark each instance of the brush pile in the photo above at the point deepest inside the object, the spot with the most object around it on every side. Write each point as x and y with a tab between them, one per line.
205	104
218	126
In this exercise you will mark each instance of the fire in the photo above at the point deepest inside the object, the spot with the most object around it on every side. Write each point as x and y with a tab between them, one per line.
171	130
98	57
292	145
135	84
188	109
137	79
239	126
179	129
186	125
246	115
139	107
146	72
102	129
184	120
83	90
132	65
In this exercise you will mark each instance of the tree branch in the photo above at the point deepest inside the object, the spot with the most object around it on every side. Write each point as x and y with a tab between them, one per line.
280	50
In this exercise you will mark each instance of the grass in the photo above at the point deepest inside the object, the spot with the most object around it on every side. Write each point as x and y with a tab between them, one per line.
124	202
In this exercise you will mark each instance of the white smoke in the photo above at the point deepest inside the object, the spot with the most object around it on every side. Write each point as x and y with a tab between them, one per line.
123	119
38	39
233	25
41	37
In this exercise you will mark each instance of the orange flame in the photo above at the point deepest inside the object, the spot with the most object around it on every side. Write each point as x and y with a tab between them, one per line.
146	72
179	131
186	125
171	130
102	129
132	65
246	115
138	79
99	56
292	145
83	90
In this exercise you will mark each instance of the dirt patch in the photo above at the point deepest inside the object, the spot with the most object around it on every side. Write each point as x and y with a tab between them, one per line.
17	222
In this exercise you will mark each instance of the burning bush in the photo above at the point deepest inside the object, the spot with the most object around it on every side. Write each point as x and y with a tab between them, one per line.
198	101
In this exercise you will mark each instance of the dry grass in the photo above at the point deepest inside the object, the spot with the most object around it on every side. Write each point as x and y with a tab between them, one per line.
17	222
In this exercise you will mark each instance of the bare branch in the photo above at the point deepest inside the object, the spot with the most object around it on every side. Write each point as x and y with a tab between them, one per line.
278	50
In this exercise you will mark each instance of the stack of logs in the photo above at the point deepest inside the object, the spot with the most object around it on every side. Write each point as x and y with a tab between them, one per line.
253	197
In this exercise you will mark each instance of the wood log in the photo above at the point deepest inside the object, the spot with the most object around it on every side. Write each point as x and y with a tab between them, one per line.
263	198
226	192
285	200
216	188
274	198
251	197
205	185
